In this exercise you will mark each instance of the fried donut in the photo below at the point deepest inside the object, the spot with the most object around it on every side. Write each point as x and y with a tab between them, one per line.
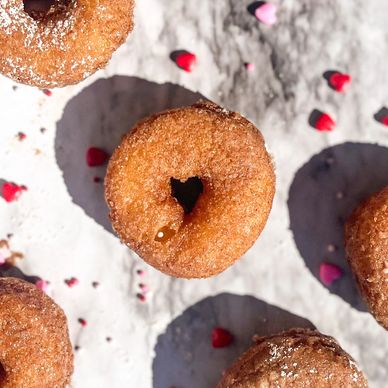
190	189
35	349
366	240
63	43
294	359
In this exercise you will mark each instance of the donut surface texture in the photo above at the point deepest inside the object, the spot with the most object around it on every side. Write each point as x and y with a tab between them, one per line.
35	349
63	46
294	359
366	240
225	154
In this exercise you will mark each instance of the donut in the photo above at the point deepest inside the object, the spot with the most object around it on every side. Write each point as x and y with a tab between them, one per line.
61	42
293	359
35	349
366	242
190	189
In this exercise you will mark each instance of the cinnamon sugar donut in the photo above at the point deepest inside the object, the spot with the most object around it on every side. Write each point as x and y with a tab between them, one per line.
366	236
35	349
190	189
63	43
294	359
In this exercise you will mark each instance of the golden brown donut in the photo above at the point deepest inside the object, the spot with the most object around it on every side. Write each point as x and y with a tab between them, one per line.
35	349
366	240
64	45
217	152
294	359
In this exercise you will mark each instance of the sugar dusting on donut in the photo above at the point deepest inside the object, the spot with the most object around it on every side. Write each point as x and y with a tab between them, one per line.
78	46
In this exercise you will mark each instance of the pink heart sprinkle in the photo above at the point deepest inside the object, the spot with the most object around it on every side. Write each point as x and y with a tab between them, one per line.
42	285
266	13
329	273
250	66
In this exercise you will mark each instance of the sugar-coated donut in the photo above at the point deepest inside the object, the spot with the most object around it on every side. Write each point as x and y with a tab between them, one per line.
64	44
366	237
294	359
35	349
217	162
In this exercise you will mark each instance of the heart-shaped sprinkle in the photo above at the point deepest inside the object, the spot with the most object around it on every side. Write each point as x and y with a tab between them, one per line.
339	81
266	13
11	192
221	337
96	157
384	121
329	273
71	282
42	284
325	123
250	66
82	322
186	61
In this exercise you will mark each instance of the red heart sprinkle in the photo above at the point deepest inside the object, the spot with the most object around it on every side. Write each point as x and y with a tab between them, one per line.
11	192
325	123
339	81
96	157
385	120
329	273
186	61
82	322
71	282
221	338
47	92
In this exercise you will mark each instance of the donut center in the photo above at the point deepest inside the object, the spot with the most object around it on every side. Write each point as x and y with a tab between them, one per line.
187	192
2	374
39	9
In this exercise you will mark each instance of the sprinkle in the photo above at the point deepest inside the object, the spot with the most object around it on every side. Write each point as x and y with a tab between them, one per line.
42	285
384	121
144	287
266	13
108	339
221	337
96	157
325	123
77	347
186	61
249	66
11	192
329	273
339	81
141	272
82	322
43	130
331	248
47	92
21	136
141	297
72	282
97	179
95	284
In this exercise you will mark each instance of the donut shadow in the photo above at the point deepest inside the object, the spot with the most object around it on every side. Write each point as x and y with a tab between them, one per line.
184	356
11	271
98	117
322	196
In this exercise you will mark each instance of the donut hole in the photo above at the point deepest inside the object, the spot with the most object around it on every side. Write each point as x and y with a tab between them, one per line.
40	9
2	374
187	193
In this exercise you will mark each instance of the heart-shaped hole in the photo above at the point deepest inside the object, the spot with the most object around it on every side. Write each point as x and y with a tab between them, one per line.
187	192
